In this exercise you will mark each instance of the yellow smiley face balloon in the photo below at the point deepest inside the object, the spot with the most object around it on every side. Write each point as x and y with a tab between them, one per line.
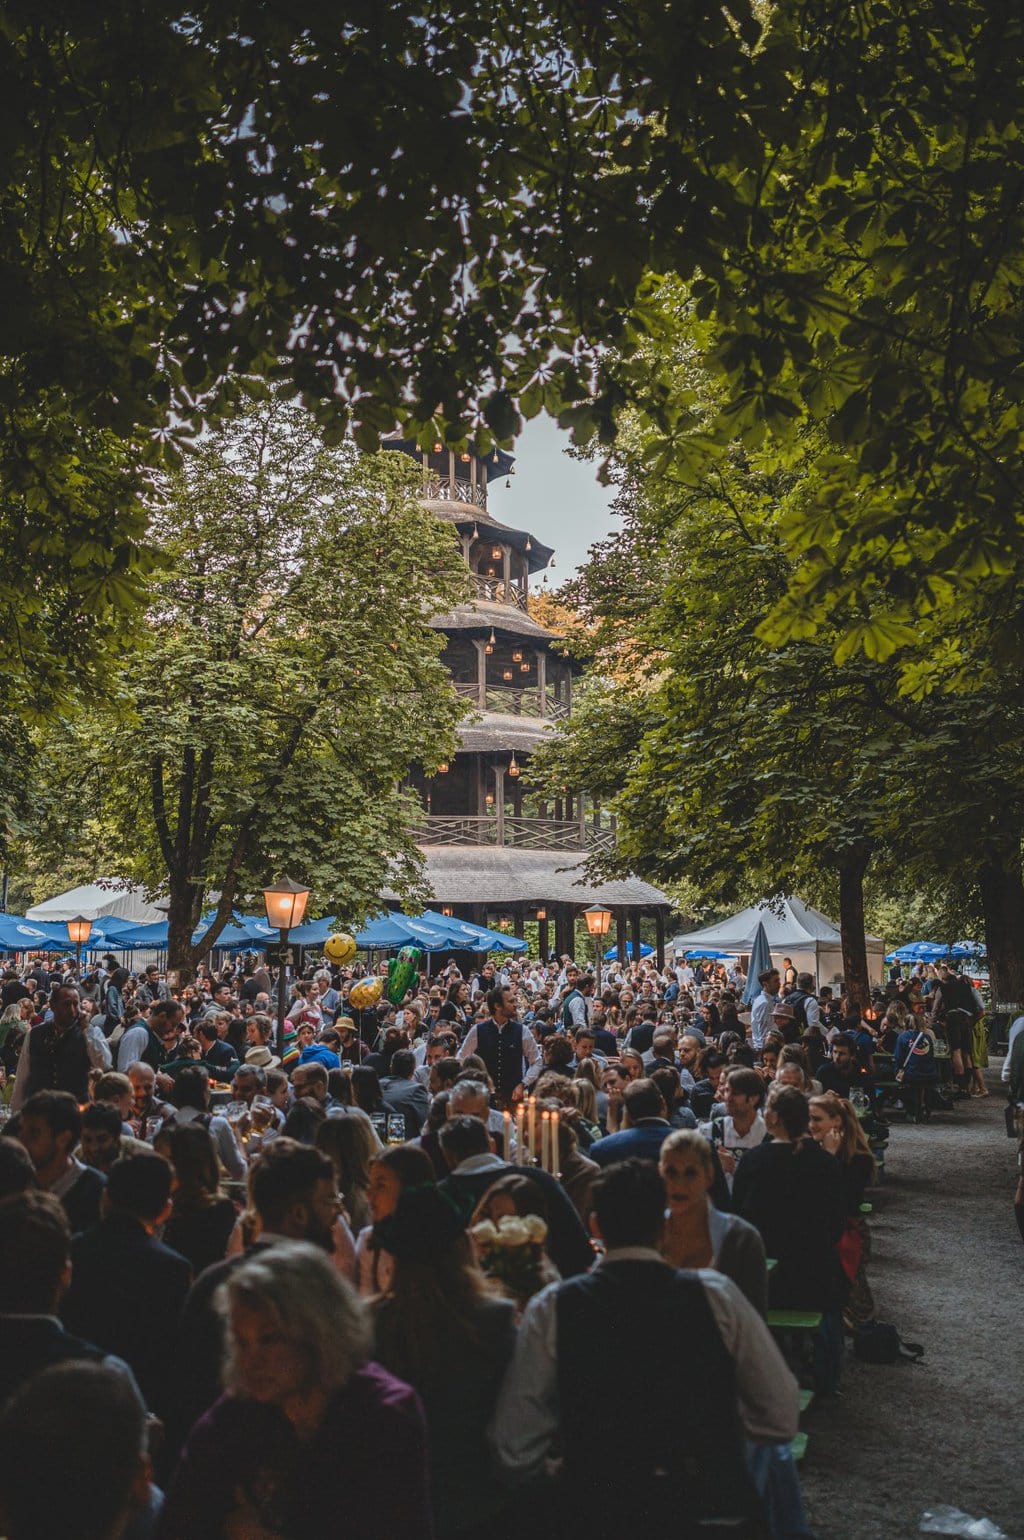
340	948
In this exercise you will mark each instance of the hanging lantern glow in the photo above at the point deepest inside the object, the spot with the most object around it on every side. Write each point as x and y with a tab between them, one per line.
513	768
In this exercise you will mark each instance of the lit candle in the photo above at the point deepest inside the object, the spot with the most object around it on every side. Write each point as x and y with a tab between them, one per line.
545	1141
532	1151
520	1135
506	1118
556	1143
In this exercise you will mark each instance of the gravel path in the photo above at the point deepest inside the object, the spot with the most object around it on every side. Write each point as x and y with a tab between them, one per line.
947	1271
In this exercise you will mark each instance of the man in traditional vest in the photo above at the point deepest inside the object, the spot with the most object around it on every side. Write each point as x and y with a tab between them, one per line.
58	1054
506	1047
576	1002
677	1417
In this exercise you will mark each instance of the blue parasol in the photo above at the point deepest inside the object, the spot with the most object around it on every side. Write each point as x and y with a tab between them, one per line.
760	959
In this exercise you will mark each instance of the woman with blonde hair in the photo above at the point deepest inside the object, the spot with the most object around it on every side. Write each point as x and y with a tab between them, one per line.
836	1128
696	1233
296	1439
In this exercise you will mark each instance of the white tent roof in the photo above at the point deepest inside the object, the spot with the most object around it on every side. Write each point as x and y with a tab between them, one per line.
110	895
788	923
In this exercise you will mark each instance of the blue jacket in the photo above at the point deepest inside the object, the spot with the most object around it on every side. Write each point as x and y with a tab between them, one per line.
316	1053
919	1065
644	1140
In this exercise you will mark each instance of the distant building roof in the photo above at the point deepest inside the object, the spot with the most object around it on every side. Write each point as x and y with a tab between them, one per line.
476	874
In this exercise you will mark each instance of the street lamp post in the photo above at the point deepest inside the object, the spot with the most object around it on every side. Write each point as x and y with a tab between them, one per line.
286	909
598	920
79	931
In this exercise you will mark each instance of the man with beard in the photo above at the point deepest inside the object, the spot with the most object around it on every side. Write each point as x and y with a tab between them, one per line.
293	1191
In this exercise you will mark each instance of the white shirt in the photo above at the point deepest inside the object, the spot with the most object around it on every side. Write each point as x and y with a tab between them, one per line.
731	1140
761	1016
1015	1031
131	1047
533	1062
526	1420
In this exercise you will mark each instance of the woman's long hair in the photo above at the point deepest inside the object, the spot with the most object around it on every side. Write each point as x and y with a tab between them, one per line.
194	1158
349	1142
854	1140
428	1314
366	1091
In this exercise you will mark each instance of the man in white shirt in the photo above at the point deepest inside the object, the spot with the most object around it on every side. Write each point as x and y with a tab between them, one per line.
683	1453
742	1127
763	1008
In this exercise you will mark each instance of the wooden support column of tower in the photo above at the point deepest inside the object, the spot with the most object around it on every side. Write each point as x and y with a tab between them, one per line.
499	802
481	672
621	933
659	933
542	935
542	680
634	919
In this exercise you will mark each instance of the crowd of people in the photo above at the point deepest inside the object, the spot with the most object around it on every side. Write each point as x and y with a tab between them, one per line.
295	1277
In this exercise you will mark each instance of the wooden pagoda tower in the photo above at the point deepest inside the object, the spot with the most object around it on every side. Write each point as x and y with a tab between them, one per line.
495	851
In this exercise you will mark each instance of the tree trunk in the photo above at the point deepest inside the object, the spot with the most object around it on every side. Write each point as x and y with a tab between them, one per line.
182	918
851	925
1002	902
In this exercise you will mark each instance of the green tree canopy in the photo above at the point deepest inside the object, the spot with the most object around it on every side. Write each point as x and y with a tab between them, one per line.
748	768
286	676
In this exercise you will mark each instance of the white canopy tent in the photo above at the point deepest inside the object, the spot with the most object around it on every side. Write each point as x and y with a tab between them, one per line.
794	930
110	895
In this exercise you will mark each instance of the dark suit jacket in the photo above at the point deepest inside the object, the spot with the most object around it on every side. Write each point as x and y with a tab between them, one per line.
409	1098
126	1293
643	1141
567	1244
29	1344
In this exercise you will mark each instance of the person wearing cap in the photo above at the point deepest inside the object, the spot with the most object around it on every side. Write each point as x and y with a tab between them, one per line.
784	1021
442	1329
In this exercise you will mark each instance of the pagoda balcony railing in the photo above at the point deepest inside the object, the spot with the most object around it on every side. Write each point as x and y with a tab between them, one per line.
440	489
523	833
513	701
495	591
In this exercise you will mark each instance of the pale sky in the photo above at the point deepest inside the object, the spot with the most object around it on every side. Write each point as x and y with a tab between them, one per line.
555	497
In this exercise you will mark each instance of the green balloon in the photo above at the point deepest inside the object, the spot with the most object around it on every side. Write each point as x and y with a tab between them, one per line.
403	971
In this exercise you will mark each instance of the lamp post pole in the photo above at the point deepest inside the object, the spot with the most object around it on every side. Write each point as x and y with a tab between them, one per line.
598	920
286	909
284	958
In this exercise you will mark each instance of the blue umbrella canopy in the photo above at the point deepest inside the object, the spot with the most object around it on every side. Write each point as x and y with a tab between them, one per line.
477	938
760	959
20	935
612	954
